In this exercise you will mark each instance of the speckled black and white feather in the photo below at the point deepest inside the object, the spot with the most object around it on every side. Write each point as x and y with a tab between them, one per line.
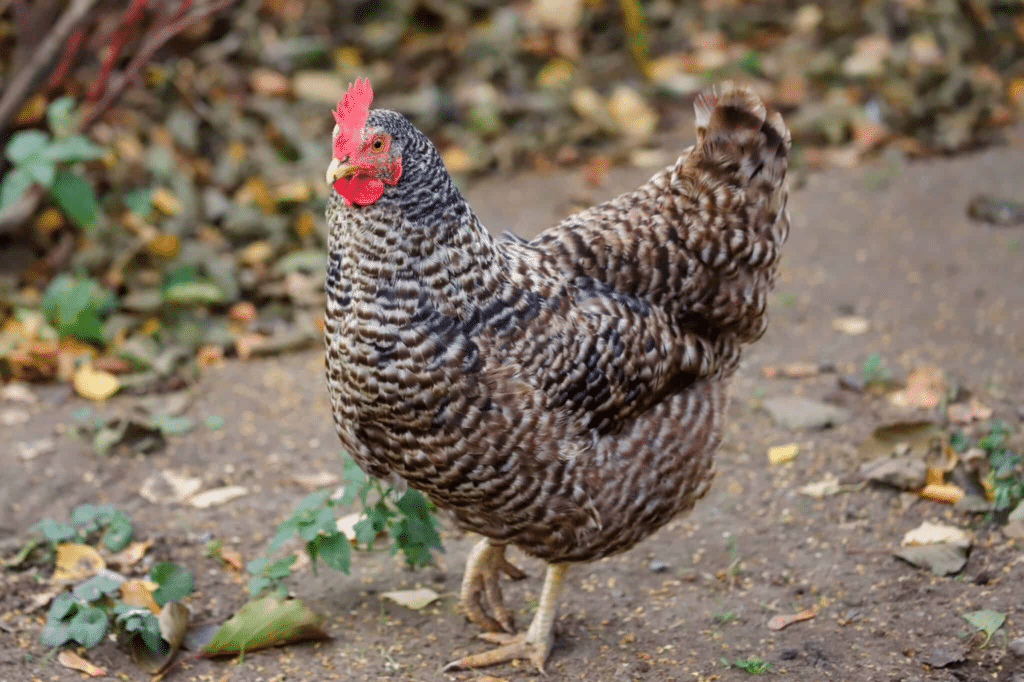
565	395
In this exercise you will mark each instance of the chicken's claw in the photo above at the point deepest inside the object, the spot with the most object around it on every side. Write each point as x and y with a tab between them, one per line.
511	648
533	645
481	584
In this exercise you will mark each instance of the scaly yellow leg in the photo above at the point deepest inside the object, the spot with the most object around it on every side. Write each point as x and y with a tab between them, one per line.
480	584
533	645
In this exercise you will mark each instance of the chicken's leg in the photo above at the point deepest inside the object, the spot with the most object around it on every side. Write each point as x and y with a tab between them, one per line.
535	643
484	566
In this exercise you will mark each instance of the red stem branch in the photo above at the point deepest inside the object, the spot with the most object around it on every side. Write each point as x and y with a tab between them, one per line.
128	21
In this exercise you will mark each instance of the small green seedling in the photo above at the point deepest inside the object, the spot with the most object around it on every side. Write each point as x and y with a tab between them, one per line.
88	520
753	665
408	522
46	159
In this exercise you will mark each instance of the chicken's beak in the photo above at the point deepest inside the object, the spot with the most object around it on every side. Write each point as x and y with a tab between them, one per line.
338	169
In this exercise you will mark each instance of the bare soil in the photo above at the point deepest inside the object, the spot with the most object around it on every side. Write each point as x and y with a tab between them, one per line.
890	244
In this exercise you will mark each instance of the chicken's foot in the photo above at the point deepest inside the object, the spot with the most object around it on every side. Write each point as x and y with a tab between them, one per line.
533	645
480	584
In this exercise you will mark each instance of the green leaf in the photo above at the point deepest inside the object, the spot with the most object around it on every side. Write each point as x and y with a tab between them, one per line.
55	633
335	550
213	422
95	587
412	503
282	567
350	471
74	194
175	582
60	116
72	306
257	565
265	623
751	63
172	426
203	292
322	521
285	530
24	144
14	185
365	532
257	584
986	621
88	626
74	148
63	605
150	631
119	532
42	171
55	531
139	200
314	499
87	513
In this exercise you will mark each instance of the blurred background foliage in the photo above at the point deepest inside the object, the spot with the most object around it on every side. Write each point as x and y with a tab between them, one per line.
161	188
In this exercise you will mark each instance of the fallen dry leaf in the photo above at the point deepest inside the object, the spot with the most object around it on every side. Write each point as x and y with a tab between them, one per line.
965	413
929	533
785	620
269	82
243	311
232	557
130	555
315	481
41	599
168	486
94	384
347	525
139	593
823	488
71	660
925	388
942	492
412	599
173	621
851	324
780	454
165	201
794	370
218	496
76	562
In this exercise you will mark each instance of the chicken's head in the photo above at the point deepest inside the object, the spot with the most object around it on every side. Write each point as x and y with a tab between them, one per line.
365	156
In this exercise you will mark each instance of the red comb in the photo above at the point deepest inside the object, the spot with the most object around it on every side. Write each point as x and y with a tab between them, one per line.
351	117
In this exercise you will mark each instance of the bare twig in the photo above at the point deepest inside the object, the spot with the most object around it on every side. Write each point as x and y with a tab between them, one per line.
175	25
22	81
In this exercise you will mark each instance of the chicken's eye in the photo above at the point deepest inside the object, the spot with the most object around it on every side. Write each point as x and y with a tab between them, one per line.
377	145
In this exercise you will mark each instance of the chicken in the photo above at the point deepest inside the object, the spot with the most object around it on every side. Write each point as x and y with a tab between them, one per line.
565	395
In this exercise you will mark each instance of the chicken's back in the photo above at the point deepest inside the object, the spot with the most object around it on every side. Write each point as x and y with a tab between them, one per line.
701	239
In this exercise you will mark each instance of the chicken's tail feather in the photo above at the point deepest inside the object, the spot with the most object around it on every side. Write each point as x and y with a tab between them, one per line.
734	126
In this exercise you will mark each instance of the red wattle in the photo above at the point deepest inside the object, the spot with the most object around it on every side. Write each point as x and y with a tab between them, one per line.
359	189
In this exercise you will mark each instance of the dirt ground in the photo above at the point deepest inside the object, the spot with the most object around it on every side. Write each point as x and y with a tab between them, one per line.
890	244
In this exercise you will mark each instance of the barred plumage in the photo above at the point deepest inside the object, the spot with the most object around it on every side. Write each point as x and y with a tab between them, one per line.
566	394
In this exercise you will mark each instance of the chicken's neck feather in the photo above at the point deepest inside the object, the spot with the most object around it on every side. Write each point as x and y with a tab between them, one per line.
421	232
